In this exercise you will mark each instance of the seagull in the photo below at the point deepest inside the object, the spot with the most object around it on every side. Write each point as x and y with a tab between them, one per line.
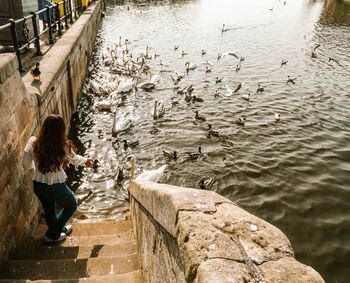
239	120
207	69
238	87
238	67
206	184
241	59
246	96
231	54
277	117
284	62
204	52
176	47
313	54
332	59
259	89
218	80
183	53
219	56
216	94
290	80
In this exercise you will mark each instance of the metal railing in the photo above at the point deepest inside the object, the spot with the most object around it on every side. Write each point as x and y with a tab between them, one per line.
55	21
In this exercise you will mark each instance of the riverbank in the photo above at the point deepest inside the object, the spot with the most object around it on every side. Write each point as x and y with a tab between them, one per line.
24	104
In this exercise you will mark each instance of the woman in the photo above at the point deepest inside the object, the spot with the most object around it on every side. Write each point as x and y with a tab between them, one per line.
47	156
42	5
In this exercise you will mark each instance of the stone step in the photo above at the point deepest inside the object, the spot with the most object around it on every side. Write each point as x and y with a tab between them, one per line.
129	277
42	252
113	239
91	228
69	268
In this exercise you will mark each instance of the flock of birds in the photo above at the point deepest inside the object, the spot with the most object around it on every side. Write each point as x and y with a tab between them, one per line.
131	72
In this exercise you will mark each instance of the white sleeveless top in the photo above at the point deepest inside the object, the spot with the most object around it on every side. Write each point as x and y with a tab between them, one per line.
60	176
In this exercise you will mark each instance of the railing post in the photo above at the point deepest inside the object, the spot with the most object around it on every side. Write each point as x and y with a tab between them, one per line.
70	11
58	19
36	34
49	23
65	13
15	44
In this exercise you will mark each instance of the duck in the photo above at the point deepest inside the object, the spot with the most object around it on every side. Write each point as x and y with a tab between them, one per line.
170	155
35	72
259	89
283	62
277	117
158	109
198	117
128	144
238	67
239	120
290	80
147	175
246	96
204	52
195	156
218	80
196	98
121	125
120	175
211	132
206	184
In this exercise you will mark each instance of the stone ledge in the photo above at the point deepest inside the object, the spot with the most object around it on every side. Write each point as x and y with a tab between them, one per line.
55	59
8	65
217	240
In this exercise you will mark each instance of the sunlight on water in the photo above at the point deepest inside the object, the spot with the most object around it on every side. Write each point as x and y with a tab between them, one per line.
293	173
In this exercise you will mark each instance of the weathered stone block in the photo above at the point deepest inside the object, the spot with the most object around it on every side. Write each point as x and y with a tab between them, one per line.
211	238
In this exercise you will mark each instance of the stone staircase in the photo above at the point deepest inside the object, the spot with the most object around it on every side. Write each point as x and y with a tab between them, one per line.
95	252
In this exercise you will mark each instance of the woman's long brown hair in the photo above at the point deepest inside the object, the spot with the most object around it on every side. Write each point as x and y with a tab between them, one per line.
49	147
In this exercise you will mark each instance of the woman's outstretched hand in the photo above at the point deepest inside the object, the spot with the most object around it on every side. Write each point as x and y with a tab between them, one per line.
89	163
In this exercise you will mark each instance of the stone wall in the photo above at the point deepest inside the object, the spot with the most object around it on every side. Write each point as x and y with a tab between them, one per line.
24	105
189	235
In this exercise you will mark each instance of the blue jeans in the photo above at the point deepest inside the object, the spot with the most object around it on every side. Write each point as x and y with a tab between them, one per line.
49	195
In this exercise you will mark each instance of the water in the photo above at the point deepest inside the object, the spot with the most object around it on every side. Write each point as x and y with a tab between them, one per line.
294	173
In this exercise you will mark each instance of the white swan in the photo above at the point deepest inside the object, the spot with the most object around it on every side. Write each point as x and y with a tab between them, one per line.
153	79
158	109
190	66
103	105
125	85
147	175
148	86
121	124
143	53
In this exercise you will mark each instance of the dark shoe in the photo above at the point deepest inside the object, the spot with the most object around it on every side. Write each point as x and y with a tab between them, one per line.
55	241
67	229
